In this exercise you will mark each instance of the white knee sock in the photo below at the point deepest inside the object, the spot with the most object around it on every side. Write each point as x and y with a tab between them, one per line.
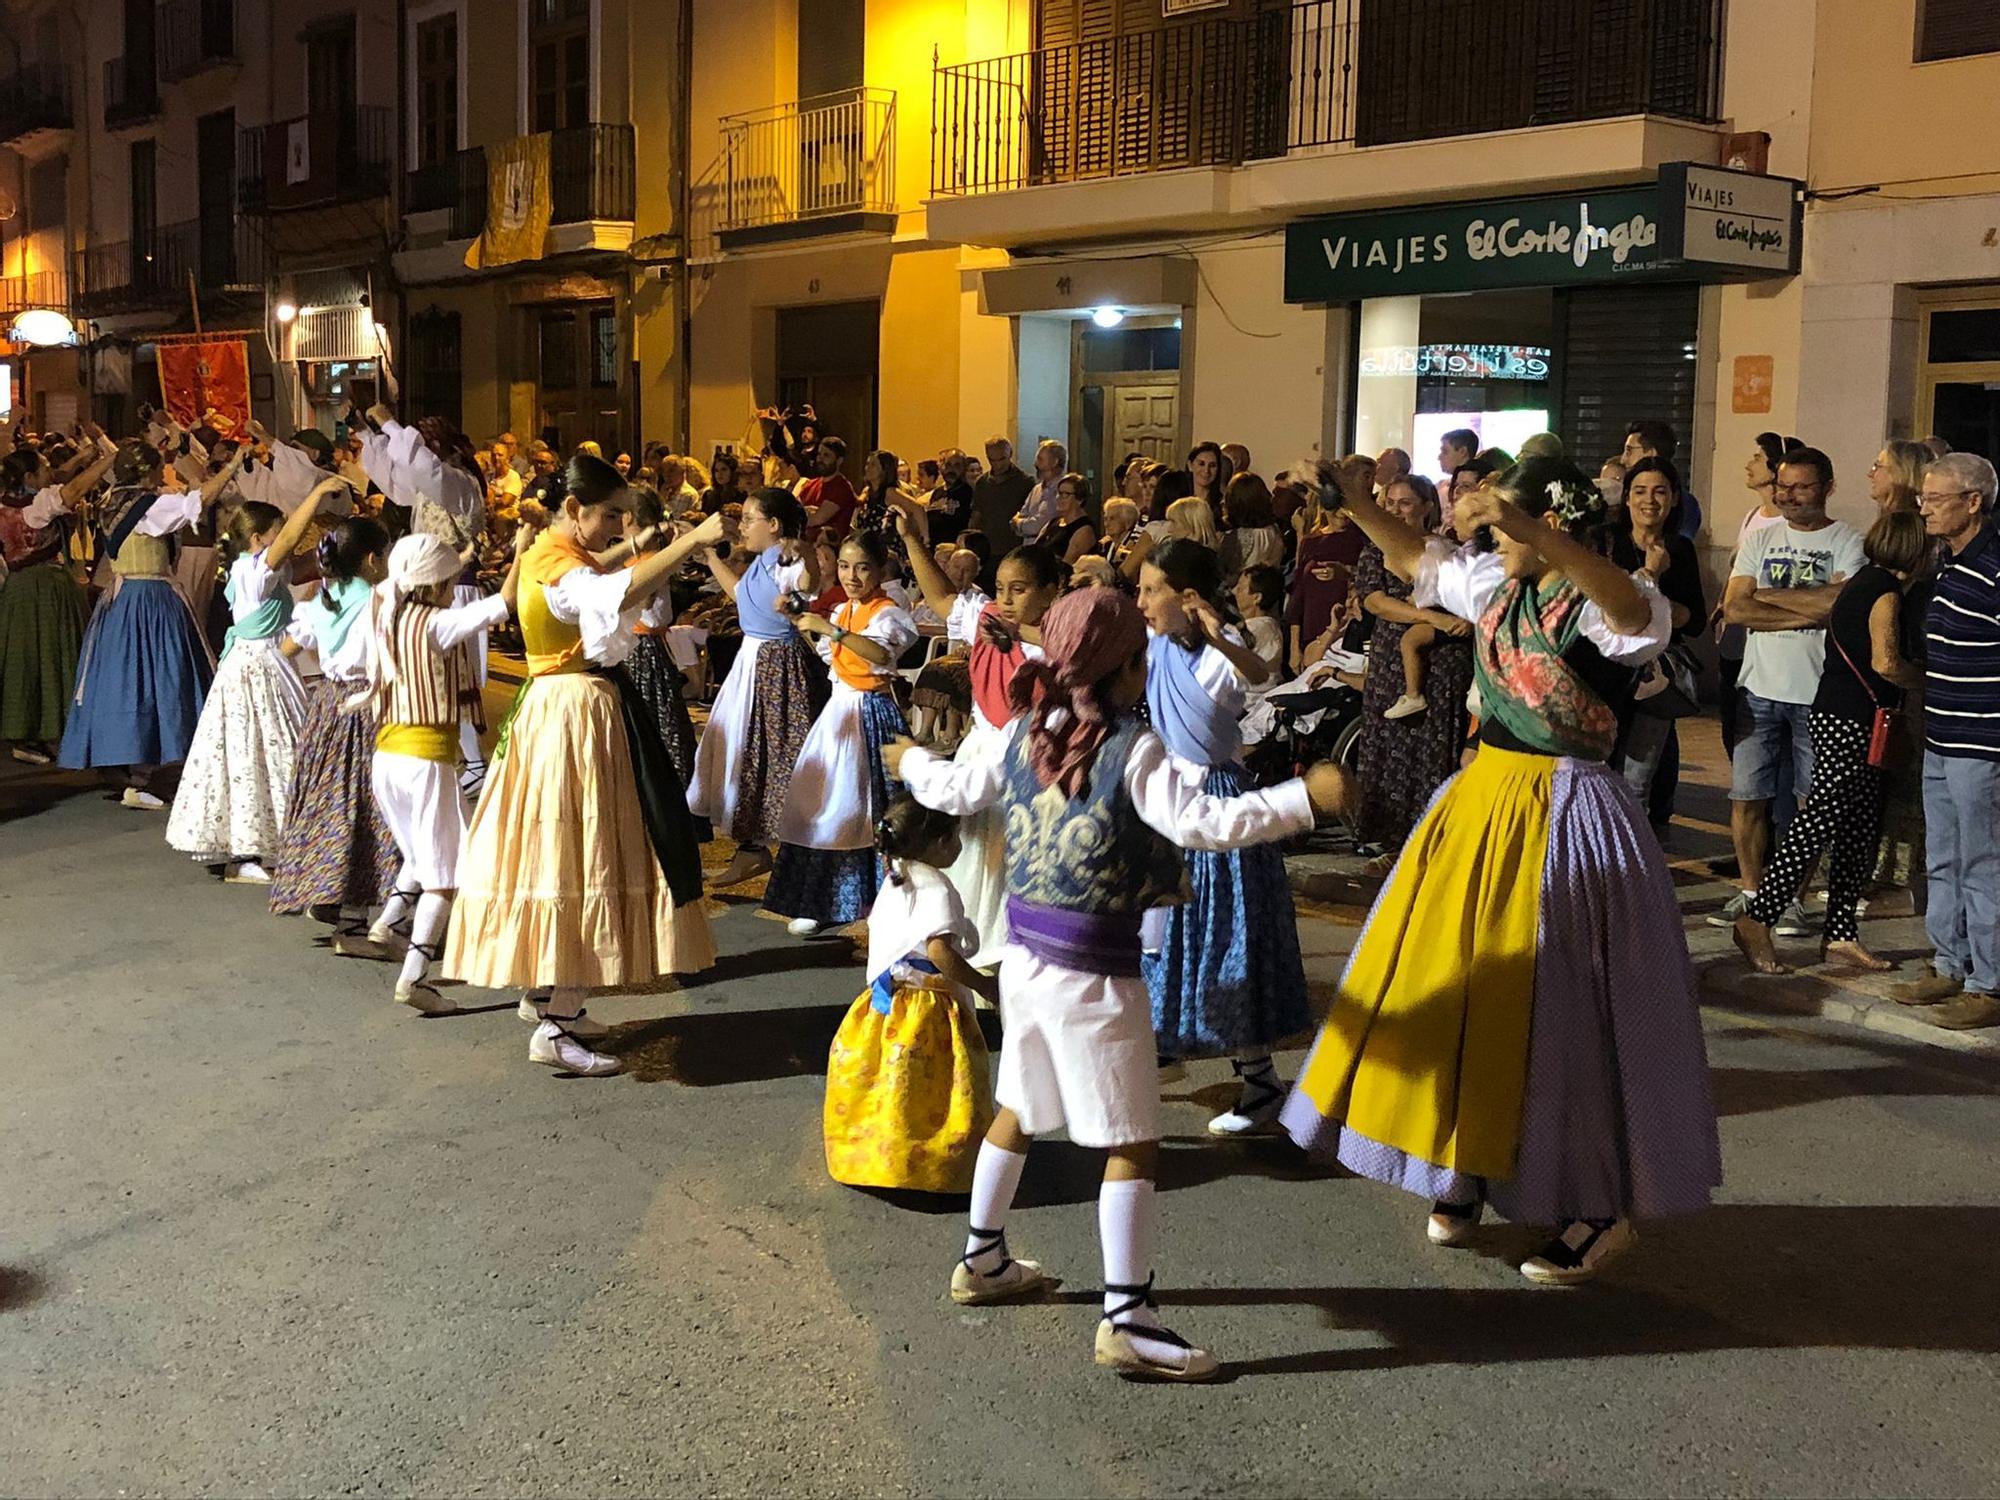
1125	1234
565	1003
426	936
401	899
996	1176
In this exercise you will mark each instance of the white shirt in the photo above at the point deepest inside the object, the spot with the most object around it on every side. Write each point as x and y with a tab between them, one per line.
1267	638
892	627
1038	509
253	583
907	914
1167	796
1784	666
1464	581
285	482
961	626
595	604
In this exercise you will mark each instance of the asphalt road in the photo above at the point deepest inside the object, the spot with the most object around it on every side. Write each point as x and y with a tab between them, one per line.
265	1233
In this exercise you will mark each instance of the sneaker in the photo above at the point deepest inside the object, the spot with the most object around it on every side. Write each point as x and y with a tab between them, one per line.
1736	906
552	1047
1933	989
1014	1278
582	1024
1579	1252
1146	1350
140	801
249	872
1796	922
1453	1225
423	998
1971	1011
1406	707
803	927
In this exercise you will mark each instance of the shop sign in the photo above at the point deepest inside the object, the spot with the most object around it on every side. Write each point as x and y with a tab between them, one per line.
1713	216
1458	361
1568	240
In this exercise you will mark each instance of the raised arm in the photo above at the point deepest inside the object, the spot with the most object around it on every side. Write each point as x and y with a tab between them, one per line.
1402	545
299	522
1604	583
86	480
219	481
931	582
650	574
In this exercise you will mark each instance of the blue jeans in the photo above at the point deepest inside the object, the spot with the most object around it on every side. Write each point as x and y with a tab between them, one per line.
1962	838
1771	738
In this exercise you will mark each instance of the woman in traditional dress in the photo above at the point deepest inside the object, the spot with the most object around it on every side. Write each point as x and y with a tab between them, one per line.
1081	772
145	668
1005	633
771	695
41	604
654	674
337	857
580	870
1518	1023
235	793
1222	968
826	873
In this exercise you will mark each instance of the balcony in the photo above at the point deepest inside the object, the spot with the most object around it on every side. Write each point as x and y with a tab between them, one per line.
131	92
31	289
454	187
152	270
34	106
330	156
1318	73
193	36
592	200
818	166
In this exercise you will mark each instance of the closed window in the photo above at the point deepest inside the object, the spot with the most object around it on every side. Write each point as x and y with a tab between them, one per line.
559	64
48	194
1956	28
437	89
604	348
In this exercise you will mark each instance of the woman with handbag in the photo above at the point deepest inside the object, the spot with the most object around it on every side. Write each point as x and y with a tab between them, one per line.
1852	725
1650	739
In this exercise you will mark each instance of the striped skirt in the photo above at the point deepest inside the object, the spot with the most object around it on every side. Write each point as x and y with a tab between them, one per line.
337	849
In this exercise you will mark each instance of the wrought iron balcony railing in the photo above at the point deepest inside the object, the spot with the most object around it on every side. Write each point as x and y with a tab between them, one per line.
592	176
31	289
330	156
193	35
131	90
827	157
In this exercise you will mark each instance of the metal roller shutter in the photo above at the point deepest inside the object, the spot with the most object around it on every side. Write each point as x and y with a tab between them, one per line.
1626	353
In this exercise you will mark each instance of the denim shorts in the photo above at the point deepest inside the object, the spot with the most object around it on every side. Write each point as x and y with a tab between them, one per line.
1765	731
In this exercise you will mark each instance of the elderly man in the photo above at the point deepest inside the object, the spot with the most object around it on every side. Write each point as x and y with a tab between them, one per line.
1962	748
1002	490
1391	464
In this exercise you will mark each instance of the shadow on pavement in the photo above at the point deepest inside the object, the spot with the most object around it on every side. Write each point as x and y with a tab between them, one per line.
20	1287
714	1048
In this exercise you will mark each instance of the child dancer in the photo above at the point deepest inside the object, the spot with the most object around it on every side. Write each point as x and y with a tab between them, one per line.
907	1091
236	790
41	606
145	667
580	870
415	673
1225	975
1005	633
653	672
337	857
766	705
826	874
1082	773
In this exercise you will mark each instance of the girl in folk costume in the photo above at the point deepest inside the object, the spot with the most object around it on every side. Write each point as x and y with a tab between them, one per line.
1569	1085
430	472
236	790
41	604
1224	971
337	858
145	668
766	705
652	670
415	673
1004	634
826	874
1082	774
580	870
907	1091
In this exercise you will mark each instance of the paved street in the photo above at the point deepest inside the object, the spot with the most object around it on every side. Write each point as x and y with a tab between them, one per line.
267	1233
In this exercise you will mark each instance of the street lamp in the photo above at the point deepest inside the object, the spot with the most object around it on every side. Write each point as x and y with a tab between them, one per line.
284	312
1107	317
42	326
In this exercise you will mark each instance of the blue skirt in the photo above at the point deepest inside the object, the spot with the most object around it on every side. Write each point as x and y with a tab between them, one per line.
834	887
1228	977
144	675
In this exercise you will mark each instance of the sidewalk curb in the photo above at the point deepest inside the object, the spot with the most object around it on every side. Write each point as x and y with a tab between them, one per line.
1811	994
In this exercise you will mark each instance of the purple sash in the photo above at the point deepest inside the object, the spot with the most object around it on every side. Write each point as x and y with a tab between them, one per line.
1088	942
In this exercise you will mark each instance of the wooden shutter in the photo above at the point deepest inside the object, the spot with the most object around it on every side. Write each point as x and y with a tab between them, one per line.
1956	28
1625	352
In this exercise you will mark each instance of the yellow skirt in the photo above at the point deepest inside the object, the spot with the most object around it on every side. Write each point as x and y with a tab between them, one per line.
908	1095
1426	1046
557	880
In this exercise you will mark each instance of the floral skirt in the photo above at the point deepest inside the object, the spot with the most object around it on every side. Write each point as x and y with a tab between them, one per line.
908	1094
834	887
762	715
658	681
337	848
235	794
1518	1019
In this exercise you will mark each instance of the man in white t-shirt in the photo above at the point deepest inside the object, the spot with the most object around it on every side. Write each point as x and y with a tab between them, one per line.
1783	586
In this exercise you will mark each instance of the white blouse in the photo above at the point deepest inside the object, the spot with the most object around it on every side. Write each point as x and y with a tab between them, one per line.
1464	582
907	914
595	604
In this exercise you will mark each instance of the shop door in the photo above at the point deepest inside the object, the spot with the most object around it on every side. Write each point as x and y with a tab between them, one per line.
1958	389
577	369
1144	419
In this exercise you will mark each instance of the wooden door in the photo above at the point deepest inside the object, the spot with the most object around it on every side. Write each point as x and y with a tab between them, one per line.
1143	419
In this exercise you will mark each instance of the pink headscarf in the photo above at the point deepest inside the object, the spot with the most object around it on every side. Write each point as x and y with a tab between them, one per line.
1086	636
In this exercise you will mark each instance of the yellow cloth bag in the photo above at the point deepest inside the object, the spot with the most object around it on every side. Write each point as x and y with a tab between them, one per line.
1426	1046
909	1095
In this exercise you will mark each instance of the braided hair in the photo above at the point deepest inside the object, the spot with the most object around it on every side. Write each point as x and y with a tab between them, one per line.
910	831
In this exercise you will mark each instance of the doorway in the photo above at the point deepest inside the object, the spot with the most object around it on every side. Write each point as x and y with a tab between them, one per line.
577	368
1125	395
830	358
1958	385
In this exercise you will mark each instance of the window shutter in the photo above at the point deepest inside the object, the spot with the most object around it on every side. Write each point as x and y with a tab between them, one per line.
1957	28
1627	353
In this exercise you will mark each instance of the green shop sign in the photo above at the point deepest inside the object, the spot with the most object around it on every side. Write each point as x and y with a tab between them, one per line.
1570	240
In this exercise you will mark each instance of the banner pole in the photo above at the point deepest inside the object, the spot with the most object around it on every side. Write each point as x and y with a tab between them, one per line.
194	301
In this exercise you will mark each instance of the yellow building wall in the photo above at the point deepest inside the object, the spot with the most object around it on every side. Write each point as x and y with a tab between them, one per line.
1253	369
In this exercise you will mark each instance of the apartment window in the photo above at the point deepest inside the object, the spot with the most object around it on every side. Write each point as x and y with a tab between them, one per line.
832	46
604	348
558	64
436	378
48	194
1956	28
437	89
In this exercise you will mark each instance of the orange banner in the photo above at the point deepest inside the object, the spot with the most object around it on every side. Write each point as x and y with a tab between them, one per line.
207	384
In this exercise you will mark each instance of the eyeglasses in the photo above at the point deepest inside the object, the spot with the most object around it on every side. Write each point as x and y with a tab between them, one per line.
1797	490
1929	498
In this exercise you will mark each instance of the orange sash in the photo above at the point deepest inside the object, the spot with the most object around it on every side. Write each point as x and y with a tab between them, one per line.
864	676
550	645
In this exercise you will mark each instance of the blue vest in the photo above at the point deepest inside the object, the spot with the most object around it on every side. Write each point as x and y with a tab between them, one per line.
1091	853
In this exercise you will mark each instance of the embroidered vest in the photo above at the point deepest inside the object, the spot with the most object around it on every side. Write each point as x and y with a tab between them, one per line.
1092	853
428	683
